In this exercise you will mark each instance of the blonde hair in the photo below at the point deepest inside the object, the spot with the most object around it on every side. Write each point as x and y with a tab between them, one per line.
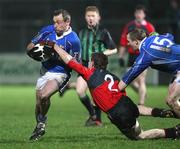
92	8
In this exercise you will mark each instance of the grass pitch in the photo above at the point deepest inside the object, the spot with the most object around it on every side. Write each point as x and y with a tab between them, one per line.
66	117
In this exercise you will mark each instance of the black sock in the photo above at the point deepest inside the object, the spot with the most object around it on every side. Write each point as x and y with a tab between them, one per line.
156	112
87	103
98	113
170	133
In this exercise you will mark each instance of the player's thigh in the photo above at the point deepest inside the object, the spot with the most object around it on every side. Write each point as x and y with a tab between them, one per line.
124	113
142	77
50	88
48	84
81	85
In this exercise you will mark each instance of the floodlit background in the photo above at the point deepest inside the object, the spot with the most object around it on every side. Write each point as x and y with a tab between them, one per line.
20	20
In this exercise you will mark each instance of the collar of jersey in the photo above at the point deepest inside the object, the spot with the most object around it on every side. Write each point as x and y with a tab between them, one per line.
64	34
141	43
94	28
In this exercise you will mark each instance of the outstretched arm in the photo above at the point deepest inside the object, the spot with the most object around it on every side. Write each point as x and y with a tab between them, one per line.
63	54
68	59
142	62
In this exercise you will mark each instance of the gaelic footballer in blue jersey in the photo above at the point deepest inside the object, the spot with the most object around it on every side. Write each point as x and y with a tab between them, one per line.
54	73
159	52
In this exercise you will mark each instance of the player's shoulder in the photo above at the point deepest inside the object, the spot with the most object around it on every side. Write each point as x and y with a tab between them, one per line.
149	39
145	43
83	29
48	28
149	23
130	26
167	35
103	29
130	23
162	36
73	35
150	26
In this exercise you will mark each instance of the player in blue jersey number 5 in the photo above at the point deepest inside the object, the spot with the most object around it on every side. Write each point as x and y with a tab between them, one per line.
160	52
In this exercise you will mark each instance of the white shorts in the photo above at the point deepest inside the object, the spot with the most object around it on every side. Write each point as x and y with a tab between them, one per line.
177	79
59	77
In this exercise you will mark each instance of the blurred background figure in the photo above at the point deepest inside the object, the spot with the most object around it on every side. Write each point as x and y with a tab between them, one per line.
139	84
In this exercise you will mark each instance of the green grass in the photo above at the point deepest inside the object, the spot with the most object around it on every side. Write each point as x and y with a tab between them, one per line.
66	117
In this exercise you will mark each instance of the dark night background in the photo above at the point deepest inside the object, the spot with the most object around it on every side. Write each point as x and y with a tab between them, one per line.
21	19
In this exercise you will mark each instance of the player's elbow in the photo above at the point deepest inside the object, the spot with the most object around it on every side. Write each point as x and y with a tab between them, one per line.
67	58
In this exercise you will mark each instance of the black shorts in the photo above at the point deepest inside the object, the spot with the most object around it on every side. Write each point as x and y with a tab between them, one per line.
124	114
131	59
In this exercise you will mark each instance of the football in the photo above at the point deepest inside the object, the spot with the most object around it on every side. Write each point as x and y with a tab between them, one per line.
41	52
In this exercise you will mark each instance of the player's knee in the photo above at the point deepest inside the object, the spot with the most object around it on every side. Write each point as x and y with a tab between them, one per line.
38	102
177	104
81	92
133	133
44	96
130	127
170	103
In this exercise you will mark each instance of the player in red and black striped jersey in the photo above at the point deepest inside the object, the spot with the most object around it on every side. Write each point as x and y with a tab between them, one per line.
139	22
120	109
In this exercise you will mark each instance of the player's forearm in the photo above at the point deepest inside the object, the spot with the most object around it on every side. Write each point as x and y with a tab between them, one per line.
122	85
63	54
110	51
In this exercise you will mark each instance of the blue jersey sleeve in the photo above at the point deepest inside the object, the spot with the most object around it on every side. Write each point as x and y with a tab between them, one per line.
43	33
175	49
76	48
142	62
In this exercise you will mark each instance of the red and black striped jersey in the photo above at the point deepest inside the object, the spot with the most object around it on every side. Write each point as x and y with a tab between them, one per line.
147	26
103	85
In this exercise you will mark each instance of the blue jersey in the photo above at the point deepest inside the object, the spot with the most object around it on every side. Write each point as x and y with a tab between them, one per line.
68	40
160	52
